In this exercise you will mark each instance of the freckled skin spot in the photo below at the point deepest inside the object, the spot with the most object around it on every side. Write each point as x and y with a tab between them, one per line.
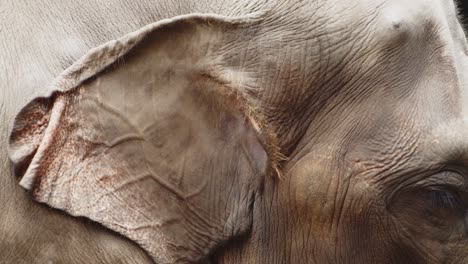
396	24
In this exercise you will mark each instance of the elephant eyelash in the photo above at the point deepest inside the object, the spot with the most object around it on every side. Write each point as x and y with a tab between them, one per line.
440	198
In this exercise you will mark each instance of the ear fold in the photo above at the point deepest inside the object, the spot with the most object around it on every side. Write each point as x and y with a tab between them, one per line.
140	138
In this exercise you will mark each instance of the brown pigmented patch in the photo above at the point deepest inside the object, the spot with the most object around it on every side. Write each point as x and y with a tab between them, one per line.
32	122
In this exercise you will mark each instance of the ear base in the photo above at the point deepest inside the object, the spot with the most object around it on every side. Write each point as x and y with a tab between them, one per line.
148	145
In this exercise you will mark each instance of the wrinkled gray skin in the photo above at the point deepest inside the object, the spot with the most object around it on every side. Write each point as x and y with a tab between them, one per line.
366	99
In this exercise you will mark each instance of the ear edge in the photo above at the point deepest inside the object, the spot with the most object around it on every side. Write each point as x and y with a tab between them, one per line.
86	67
97	60
75	77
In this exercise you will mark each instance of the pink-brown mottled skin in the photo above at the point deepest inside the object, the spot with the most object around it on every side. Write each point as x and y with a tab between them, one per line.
230	132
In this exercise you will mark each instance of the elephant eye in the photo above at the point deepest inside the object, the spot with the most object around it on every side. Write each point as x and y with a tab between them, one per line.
437	212
443	206
444	199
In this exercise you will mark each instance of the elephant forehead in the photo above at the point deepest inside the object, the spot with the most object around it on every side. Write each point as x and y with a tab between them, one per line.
376	57
388	111
408	13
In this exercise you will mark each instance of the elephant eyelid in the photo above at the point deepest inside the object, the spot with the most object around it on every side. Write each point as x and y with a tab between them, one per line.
446	180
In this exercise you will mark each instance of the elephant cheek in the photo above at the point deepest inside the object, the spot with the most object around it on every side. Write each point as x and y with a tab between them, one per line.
311	191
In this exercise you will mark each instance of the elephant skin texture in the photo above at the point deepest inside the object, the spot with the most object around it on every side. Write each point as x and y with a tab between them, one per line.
233	132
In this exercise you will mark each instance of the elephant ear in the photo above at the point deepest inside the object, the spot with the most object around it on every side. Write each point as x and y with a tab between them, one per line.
140	136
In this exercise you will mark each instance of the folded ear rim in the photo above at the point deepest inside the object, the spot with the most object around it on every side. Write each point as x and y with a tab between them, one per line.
78	74
88	65
95	61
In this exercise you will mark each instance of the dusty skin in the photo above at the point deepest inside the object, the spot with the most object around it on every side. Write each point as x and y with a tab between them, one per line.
253	132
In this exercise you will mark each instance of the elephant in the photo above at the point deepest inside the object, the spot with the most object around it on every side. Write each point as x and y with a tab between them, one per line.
296	131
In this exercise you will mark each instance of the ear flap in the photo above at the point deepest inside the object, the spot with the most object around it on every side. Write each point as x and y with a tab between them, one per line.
140	137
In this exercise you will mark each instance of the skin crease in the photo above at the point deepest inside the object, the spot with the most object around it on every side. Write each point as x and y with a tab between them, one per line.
368	106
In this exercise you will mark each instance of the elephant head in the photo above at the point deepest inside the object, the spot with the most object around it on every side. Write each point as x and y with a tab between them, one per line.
293	135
